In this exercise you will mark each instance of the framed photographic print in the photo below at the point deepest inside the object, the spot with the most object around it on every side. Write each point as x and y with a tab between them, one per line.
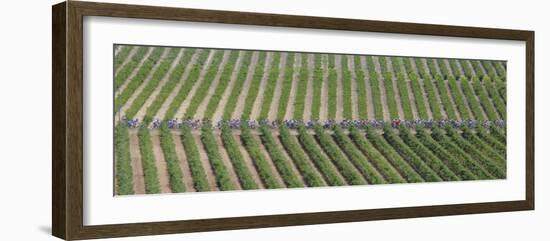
173	120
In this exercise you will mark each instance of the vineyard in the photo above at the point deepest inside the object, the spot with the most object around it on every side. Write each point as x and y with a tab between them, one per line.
290	97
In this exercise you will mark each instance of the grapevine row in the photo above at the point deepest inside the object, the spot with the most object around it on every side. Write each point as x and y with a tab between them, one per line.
124	173
270	86
260	161
286	86
200	181
150	172
236	157
225	78
212	151
237	87
172	160
254	86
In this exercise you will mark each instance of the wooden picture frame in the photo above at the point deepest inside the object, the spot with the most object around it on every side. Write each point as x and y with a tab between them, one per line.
67	123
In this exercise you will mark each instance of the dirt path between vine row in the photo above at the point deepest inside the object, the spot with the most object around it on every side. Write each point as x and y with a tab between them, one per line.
436	65
274	107
323	111
398	99
438	99
184	164
204	103
164	180
143	110
425	98
132	52
309	89
354	95
274	170
249	163
454	106
413	64
137	166
133	74
308	159
143	84
238	111
257	105
289	160
339	88
227	162
370	104
162	110
187	101
412	99
289	114
382	87
218	114
212	181
330	163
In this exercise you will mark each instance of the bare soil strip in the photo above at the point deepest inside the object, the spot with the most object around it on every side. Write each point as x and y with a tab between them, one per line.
339	88
323	110
464	98
184	164
137	167
315	169
287	157
227	162
202	107
455	109
447	62
382	86
134	72
227	92
249	162
277	93
162	111
161	164
370	105
331	163
257	107
309	91
425	97
186	102
293	88
413	64
133	51
396	90
206	164
354	97
143	110
436	64
145	82
412	99
439	102
246	86
274	170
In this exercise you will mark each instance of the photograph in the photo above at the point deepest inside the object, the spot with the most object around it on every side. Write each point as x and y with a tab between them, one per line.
199	119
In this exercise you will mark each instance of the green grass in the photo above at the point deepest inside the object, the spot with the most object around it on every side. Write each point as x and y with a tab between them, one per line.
153	83
173	80
288	78
279	159
208	139
301	91
348	171
225	78
317	87
321	161
237	87
188	84
168	147
270	86
200	181
311	178
203	88
124	172
236	157
260	160
252	92
361	88
150	172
